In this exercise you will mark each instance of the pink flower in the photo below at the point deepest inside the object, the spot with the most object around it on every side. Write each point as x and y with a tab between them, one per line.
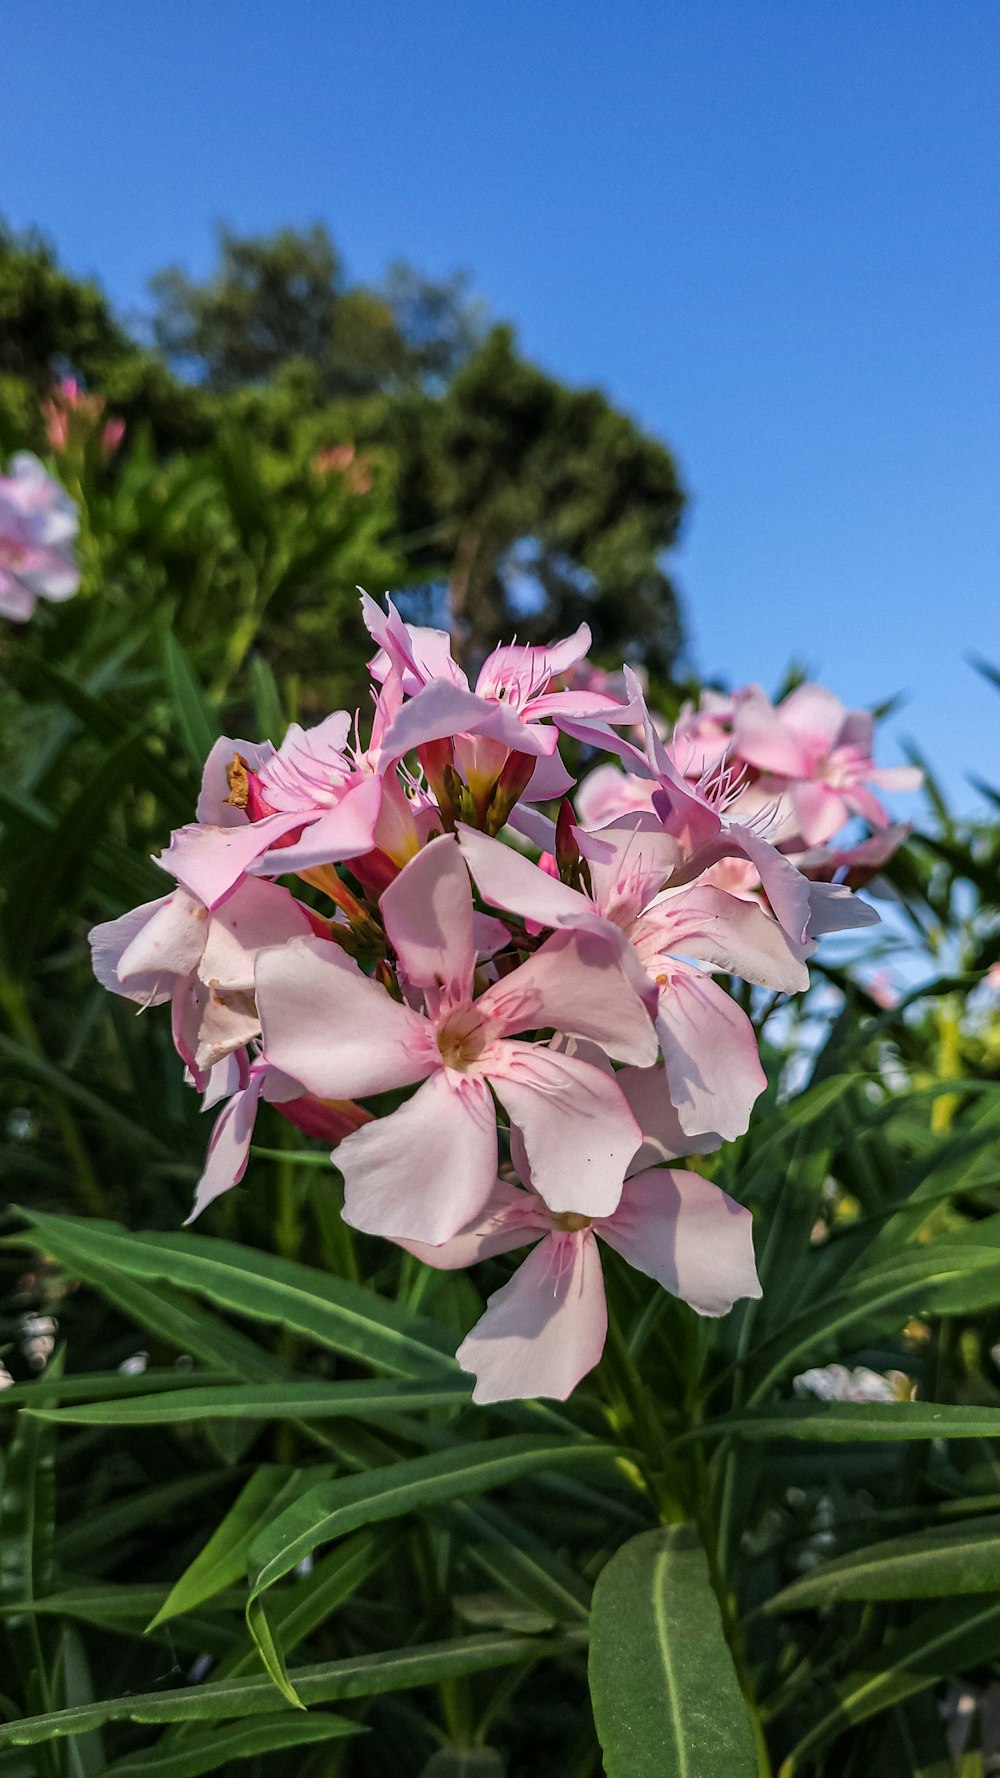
545	1328
504	714
265	811
699	816
202	961
712	1068
424	1170
38	528
819	754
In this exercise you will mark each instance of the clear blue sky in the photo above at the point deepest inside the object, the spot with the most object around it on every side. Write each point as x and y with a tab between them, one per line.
769	229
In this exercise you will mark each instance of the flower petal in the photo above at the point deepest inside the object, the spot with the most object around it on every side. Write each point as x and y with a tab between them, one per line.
663	1139
710	1053
428	916
345	831
509	880
208	861
427	1170
687	1234
332	1028
582	983
509	1218
110	941
255	915
229	1146
723	930
545	1329
579	1134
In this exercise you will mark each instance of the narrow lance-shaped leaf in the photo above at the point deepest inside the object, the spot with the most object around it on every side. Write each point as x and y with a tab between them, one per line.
209	1750
934	1564
359	1676
343	1505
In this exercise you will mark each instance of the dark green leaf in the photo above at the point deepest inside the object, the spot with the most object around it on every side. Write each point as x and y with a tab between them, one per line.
666	1699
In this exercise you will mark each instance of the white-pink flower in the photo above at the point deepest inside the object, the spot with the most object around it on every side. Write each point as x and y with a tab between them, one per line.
712	1068
424	1170
819	754
201	960
38	529
545	1329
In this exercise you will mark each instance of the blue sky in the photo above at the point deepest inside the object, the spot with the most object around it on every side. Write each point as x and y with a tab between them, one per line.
770	230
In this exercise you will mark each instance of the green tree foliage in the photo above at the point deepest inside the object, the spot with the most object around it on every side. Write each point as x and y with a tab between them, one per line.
519	504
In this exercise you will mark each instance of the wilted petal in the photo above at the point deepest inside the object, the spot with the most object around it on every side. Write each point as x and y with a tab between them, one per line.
110	941
213	808
427	1170
688	1235
332	1028
229	1147
545	1329
578	1132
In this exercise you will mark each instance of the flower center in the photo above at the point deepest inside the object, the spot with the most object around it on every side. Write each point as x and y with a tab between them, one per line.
461	1039
572	1222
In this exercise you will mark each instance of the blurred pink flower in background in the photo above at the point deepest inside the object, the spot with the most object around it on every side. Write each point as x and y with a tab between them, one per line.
38	528
72	417
351	465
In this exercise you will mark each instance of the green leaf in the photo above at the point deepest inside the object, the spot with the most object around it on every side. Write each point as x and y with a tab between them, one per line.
271	720
297	1611
207	1752
850	1422
27	1506
334	1508
196	716
360	1676
347	1318
931	1564
128	1607
94	1386
944	1640
223	1560
266	1401
666	1699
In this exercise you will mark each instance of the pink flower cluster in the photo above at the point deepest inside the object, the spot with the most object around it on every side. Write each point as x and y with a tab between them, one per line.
510	1026
72	418
804	767
38	529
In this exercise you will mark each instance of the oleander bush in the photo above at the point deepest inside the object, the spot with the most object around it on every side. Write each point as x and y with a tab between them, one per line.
336	1474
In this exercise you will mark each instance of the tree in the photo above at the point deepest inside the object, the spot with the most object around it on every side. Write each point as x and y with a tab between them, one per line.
546	505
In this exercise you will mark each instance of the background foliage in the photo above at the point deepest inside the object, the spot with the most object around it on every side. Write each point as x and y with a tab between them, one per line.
247	1471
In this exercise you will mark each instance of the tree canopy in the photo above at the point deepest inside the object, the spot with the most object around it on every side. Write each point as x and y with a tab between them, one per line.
519	503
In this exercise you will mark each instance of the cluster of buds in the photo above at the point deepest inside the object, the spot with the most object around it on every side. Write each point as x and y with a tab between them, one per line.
38	530
73	418
508	1026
